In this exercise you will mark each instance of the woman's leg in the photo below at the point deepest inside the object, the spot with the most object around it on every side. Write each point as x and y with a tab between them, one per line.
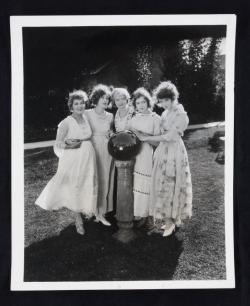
79	224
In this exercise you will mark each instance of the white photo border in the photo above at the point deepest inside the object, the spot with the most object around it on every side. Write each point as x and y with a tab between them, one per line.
17	155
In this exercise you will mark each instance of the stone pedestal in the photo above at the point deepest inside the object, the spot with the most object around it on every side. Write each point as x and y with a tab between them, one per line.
125	206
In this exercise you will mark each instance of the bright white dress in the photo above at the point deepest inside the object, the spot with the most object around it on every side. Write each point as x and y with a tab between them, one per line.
75	183
101	126
171	186
150	124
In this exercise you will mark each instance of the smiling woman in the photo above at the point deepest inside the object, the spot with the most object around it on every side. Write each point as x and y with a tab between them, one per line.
101	122
75	183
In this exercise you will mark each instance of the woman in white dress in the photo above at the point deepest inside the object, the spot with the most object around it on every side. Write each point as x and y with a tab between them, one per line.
74	185
145	122
171	186
101	123
120	98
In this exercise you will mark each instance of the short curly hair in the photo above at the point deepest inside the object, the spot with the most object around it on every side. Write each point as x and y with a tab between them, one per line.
166	90
76	94
97	92
119	91
142	92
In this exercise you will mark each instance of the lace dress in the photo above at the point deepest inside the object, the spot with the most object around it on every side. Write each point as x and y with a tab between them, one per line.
123	123
171	186
149	124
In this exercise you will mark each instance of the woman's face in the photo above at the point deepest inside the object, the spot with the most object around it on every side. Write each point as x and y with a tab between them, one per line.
166	103
120	101
78	106
103	101
141	105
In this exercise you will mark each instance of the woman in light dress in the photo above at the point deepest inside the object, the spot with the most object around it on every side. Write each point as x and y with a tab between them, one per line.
74	185
145	122
101	124
171	187
120	98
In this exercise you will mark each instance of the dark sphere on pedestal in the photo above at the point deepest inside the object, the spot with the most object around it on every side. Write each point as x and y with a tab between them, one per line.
124	145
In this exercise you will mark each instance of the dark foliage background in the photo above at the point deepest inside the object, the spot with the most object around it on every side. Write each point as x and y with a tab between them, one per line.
57	60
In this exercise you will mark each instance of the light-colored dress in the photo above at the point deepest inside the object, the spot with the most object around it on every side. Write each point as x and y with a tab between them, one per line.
171	187
101	126
123	123
149	124
75	183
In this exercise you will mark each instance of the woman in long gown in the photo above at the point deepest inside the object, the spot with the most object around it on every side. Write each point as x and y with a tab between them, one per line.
124	113
171	187
74	185
101	123
144	122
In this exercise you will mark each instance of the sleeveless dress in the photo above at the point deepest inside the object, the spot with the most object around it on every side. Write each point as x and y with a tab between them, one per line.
75	183
171	186
101	126
150	124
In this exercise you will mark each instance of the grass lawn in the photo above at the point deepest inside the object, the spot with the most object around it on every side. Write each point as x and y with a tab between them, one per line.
55	252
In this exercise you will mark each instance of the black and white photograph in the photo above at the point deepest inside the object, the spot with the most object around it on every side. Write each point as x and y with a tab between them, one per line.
122	152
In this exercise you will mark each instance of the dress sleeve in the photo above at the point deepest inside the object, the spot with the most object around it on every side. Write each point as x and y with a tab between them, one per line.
62	131
179	126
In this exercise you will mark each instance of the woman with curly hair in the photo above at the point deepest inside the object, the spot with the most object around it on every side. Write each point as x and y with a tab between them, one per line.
171	187
145	122
120	98
101	123
74	185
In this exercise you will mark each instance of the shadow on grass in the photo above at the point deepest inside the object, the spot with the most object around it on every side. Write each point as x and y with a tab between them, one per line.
97	256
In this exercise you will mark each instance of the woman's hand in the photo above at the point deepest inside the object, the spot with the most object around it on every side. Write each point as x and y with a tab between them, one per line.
141	136
73	143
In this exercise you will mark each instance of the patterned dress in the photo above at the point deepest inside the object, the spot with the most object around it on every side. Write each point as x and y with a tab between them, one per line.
101	126
75	183
171	187
149	124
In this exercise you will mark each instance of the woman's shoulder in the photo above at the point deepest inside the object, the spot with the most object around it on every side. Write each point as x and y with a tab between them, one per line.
180	109
109	115
65	122
164	113
88	111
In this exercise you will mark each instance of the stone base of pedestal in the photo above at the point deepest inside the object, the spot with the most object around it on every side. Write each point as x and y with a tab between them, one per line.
125	235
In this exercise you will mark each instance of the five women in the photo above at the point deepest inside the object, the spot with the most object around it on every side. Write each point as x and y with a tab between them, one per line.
85	176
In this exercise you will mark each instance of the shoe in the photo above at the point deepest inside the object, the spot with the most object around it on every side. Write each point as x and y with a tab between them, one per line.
102	220
169	231
178	222
163	226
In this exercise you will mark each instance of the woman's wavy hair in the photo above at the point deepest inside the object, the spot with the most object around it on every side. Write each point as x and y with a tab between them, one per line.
76	94
166	90
97	92
119	91
142	92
